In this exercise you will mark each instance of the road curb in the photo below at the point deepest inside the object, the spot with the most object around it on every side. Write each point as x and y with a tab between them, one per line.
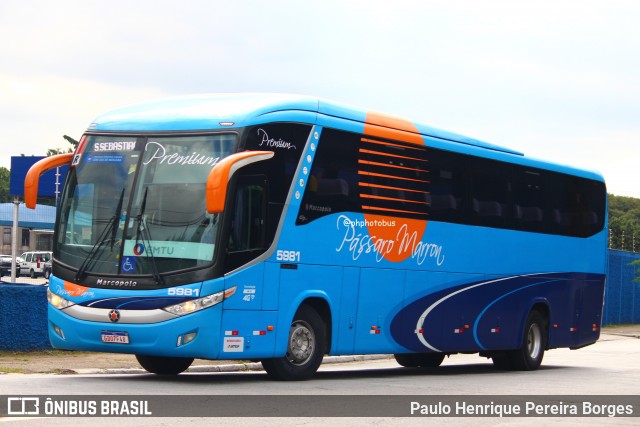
231	367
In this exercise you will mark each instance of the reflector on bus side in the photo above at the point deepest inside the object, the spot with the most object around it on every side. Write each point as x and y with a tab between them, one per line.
33	176
223	171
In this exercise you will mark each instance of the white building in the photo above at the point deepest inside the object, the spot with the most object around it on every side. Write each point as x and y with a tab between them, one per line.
35	228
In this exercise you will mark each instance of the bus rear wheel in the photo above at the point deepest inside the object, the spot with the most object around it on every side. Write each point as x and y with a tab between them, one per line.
162	365
305	348
419	360
529	356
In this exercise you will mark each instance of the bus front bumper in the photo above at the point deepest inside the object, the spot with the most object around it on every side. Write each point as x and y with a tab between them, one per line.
193	335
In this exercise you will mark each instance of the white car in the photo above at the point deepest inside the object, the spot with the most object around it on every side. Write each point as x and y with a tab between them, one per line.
32	263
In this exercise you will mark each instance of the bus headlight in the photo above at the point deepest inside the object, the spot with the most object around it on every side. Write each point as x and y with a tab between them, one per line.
194	305
57	301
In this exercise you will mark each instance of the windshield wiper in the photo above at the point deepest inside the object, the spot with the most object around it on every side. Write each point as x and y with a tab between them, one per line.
114	229
111	227
143	230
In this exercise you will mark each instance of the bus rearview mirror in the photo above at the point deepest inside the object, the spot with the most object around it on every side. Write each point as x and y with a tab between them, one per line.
222	172
33	176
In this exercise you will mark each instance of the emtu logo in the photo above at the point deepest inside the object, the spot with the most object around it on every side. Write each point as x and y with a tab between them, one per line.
138	249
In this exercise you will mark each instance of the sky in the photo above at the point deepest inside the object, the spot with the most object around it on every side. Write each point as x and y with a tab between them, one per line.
557	80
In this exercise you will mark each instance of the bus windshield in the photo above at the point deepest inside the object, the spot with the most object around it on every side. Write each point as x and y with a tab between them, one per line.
136	205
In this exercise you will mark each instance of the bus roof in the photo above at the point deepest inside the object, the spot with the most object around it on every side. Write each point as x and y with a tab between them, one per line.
216	111
219	111
198	112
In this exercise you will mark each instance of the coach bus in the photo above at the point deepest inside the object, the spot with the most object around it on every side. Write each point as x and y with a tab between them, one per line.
281	228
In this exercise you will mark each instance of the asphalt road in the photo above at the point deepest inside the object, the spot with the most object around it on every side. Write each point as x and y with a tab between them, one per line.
610	367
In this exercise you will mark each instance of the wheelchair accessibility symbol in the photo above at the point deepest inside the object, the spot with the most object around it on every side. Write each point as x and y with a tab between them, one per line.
128	264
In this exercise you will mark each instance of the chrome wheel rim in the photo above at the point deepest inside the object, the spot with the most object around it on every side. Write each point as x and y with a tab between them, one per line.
534	341
301	343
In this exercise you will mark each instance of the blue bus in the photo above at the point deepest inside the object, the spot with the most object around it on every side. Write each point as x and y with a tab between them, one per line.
281	228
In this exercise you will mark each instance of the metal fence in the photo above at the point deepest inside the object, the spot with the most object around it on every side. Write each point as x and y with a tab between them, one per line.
622	295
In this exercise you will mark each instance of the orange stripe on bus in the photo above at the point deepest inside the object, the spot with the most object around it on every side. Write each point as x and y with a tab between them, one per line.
371	196
369	162
373	208
381	175
374	141
378	153
390	127
387	187
74	290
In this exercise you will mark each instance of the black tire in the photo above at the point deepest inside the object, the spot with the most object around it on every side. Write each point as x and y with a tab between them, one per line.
305	348
502	361
162	365
419	360
32	274
529	356
47	273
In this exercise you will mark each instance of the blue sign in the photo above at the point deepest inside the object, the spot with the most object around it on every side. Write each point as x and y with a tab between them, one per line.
128	264
47	187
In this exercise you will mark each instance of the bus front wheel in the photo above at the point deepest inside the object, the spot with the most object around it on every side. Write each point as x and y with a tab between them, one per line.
162	365
305	348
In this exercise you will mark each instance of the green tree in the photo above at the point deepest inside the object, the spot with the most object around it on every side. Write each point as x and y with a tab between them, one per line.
73	144
4	185
624	223
634	263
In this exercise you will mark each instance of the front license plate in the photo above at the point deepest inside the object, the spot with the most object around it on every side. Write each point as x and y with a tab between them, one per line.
115	337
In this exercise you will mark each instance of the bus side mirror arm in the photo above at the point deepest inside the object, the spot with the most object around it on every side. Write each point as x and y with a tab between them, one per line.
222	172
33	175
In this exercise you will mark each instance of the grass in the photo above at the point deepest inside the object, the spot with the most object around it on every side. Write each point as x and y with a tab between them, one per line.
5	370
43	353
40	361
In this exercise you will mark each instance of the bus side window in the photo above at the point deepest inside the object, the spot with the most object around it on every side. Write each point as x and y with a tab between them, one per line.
530	199
447	192
490	194
333	179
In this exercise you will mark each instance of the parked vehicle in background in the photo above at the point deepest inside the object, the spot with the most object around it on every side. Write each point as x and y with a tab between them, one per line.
5	265
32	263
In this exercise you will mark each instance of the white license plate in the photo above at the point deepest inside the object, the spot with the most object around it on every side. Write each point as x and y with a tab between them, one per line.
115	337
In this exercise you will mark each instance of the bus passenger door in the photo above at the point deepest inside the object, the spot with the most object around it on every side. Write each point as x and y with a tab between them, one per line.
244	320
247	231
245	242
